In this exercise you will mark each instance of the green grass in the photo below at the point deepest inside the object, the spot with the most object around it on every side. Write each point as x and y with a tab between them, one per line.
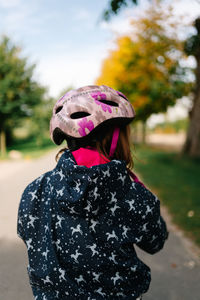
176	181
30	148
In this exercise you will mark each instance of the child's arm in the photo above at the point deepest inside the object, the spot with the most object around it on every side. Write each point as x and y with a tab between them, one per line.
27	206
153	230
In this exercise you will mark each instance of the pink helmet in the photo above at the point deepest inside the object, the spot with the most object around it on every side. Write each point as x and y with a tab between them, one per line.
80	111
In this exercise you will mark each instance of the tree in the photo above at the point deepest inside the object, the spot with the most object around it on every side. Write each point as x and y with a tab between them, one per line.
19	93
192	145
192	47
39	121
146	65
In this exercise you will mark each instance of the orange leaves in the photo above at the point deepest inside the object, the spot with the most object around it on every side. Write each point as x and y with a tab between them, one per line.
114	67
145	64
140	101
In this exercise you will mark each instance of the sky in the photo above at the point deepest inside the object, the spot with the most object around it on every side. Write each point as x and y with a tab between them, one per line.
68	40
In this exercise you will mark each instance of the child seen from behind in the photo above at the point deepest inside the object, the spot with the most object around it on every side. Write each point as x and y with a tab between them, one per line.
81	220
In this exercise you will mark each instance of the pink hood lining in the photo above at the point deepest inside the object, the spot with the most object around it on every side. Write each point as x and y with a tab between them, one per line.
89	157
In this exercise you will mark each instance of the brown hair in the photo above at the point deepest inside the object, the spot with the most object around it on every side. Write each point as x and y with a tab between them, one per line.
123	150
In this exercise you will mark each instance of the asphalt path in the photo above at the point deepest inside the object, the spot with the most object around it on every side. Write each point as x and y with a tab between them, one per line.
175	269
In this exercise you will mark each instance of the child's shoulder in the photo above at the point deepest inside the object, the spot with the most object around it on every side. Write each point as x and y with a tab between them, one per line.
34	189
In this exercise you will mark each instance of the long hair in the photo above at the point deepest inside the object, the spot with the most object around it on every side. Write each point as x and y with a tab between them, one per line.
102	143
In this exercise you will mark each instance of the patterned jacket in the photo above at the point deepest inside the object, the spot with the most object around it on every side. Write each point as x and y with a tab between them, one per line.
80	225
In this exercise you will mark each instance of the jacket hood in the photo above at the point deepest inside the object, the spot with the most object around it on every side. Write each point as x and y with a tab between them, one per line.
79	194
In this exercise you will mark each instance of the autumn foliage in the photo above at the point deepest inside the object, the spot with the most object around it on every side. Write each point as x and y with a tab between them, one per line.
146	65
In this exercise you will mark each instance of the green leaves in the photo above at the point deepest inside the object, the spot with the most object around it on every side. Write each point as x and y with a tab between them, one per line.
17	87
19	93
115	6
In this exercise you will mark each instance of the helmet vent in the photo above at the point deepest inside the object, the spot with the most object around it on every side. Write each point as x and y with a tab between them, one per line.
79	115
58	109
108	102
122	95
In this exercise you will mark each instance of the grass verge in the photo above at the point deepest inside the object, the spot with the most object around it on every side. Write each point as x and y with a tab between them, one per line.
175	179
30	148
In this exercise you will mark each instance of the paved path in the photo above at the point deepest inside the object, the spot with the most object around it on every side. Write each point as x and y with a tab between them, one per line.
175	270
172	141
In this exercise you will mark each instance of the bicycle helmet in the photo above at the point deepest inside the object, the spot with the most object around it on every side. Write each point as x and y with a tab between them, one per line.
80	112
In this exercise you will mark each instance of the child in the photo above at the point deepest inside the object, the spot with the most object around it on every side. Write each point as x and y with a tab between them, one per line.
81	220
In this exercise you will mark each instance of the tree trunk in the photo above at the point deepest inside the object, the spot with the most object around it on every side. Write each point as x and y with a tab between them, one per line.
135	133
2	142
144	132
192	144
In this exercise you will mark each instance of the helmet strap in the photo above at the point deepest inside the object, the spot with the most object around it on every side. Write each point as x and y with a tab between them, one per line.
114	141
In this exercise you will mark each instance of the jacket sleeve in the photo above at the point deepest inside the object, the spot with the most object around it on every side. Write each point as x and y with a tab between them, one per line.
22	215
152	233
27	206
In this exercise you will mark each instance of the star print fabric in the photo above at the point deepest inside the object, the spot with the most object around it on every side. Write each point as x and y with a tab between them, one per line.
79	225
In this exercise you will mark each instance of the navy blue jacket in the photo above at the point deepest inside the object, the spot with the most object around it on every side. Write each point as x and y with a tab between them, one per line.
79	225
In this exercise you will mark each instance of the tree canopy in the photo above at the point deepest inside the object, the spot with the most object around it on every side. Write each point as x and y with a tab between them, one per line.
19	93
192	47
146	64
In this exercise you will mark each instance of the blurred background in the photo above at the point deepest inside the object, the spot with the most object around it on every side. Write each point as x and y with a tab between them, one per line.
147	49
